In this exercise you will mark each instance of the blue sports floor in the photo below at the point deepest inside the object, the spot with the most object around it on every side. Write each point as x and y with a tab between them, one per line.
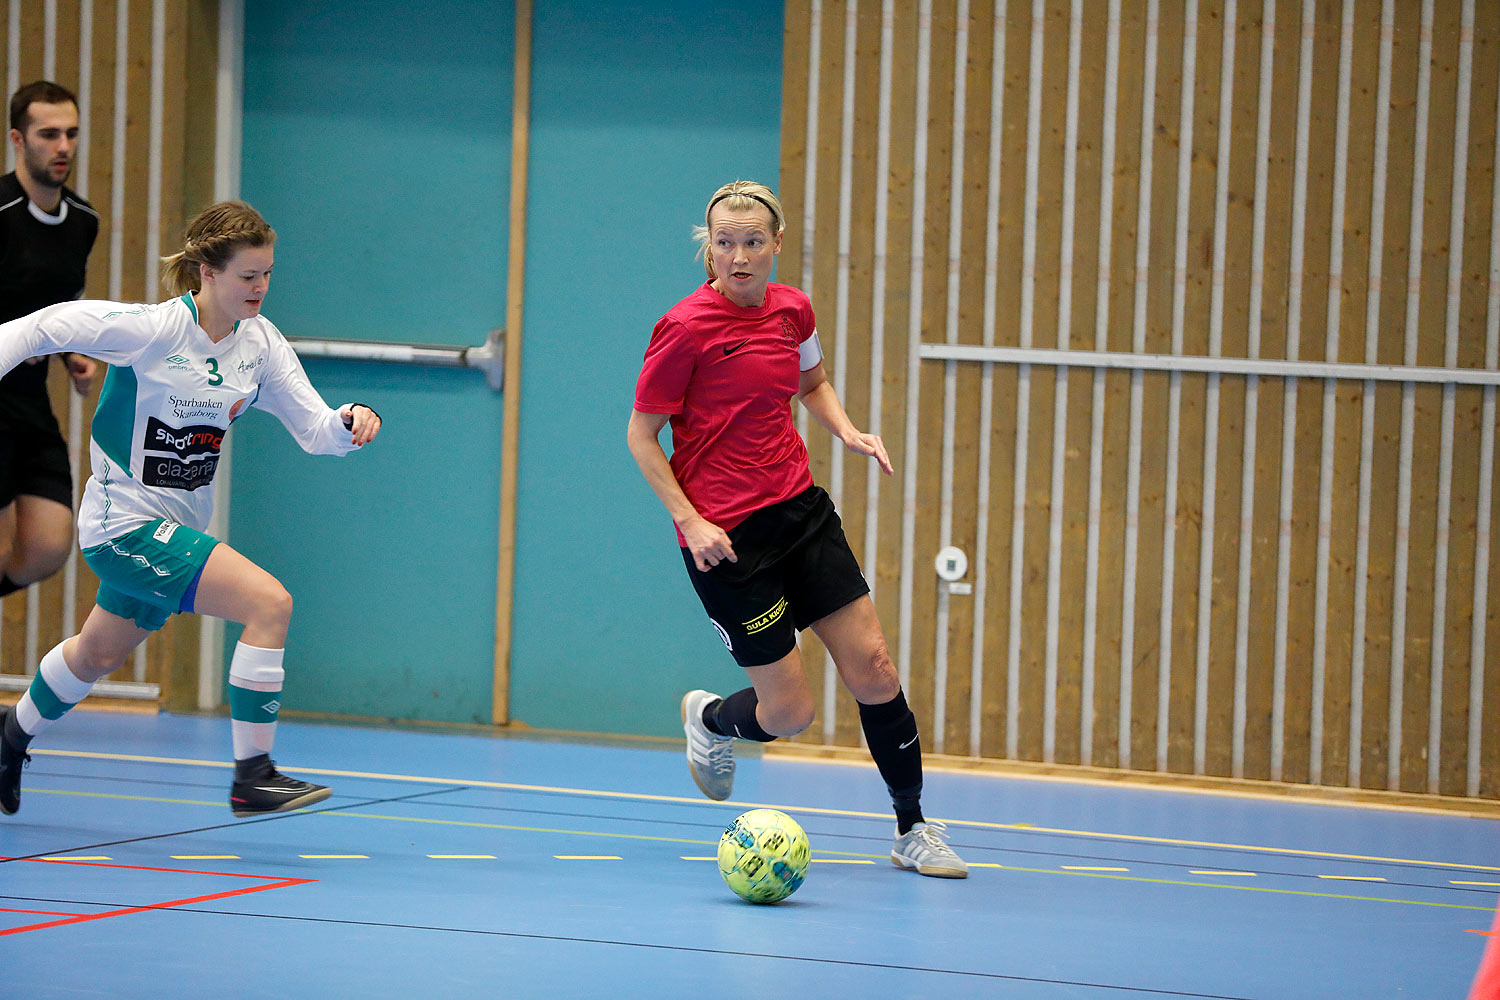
456	865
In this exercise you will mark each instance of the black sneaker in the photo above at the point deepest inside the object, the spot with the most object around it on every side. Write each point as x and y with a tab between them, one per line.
260	788
11	762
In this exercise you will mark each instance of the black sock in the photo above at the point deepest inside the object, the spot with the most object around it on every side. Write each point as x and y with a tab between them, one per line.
735	716
252	767
9	586
891	732
13	733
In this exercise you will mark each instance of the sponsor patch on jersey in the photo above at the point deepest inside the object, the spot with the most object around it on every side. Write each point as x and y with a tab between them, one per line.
180	458
168	473
184	442
164	531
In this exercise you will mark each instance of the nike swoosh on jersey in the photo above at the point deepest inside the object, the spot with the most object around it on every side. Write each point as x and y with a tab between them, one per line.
730	350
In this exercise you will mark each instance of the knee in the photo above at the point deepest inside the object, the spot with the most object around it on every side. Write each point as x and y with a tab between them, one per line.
788	717
89	660
876	681
275	606
51	557
37	550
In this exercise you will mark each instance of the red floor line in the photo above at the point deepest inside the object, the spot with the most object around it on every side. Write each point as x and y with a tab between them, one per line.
274	883
45	913
140	868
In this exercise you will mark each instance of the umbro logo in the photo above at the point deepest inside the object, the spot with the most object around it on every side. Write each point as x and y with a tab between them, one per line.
730	350
178	363
271	707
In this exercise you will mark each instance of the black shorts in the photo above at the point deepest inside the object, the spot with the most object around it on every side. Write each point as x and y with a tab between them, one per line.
33	455
794	567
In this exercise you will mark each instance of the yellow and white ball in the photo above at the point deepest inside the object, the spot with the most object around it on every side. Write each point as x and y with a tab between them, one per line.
763	855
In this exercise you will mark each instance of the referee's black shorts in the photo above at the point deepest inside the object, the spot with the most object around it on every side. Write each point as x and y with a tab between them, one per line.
794	567
33	455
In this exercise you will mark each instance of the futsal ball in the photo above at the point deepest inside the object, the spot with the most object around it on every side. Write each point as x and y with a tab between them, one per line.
763	855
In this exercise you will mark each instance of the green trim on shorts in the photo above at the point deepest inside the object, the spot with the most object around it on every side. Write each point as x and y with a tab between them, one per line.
144	573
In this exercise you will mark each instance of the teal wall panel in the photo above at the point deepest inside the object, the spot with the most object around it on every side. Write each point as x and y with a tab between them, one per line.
389	553
380	152
638	112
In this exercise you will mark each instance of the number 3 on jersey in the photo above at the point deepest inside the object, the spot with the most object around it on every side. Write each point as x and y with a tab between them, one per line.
215	377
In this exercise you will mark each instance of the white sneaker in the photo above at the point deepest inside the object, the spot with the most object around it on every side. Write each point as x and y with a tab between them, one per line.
922	848
710	756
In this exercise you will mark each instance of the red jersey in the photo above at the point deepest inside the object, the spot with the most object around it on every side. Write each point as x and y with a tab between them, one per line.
727	375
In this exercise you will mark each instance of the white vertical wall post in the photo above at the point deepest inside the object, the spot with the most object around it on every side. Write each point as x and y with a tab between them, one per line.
1023	380
914	342
1096	413
1137	382
1211	398
1252	389
1331	353
987	380
1409	403
1381	153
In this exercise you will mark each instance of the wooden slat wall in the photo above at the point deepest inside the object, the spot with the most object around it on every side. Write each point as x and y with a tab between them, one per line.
1306	679
119	265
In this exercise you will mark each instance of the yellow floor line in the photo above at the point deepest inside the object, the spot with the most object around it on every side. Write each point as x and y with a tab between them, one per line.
463	857
206	857
814	810
1245	888
588	857
79	857
1204	871
335	857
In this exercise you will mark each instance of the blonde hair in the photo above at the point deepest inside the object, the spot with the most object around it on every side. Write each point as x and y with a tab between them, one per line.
738	196
214	236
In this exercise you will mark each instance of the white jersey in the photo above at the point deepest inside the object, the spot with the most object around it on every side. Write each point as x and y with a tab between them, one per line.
167	402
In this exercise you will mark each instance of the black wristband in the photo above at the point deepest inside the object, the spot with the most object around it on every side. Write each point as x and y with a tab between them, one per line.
350	423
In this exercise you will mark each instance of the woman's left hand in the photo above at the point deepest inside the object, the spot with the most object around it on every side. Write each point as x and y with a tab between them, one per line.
871	445
364	422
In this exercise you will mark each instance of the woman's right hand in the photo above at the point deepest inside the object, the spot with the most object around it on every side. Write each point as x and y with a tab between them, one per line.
707	542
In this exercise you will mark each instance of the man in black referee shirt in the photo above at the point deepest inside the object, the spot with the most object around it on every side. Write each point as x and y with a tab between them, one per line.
46	233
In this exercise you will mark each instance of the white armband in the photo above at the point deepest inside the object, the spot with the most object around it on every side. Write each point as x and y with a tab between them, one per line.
810	354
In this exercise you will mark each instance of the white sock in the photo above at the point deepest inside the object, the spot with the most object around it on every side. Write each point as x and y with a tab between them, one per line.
54	690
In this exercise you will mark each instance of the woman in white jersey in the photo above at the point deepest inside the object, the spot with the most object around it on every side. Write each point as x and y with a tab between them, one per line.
183	370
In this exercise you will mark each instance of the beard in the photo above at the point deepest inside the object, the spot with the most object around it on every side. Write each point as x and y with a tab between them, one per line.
41	172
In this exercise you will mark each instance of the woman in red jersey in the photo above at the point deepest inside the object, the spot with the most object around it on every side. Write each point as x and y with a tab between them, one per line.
763	546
